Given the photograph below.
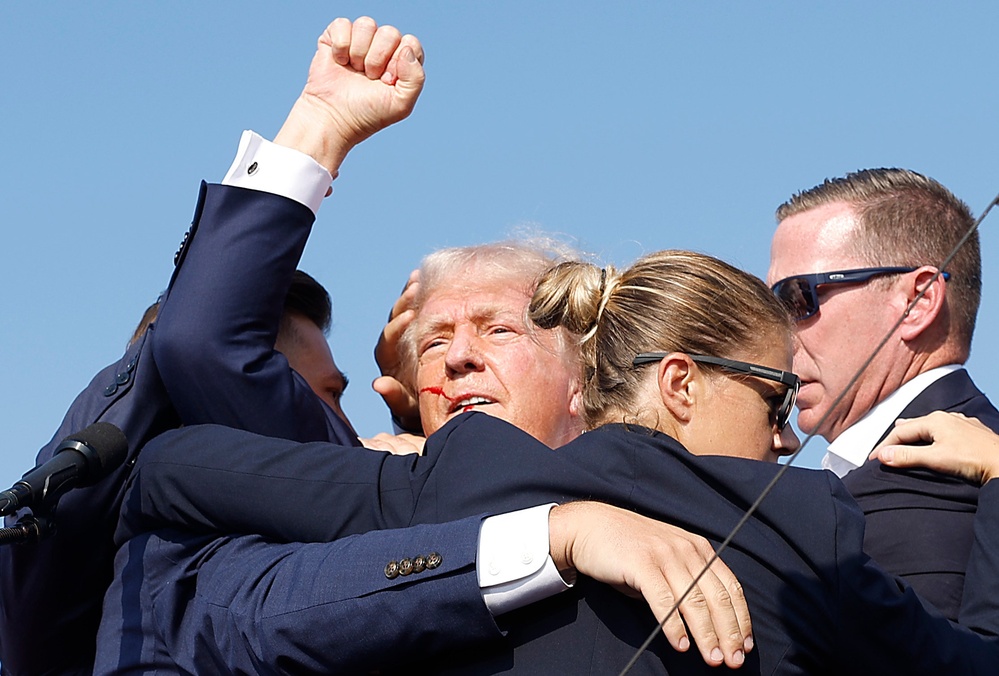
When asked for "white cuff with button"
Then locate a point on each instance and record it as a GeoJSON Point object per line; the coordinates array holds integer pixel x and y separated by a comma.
{"type": "Point", "coordinates": [514, 567]}
{"type": "Point", "coordinates": [268, 167]}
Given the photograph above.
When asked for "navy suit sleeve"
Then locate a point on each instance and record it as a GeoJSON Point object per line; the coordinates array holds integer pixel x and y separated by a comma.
{"type": "Point", "coordinates": [981, 588]}
{"type": "Point", "coordinates": [219, 321]}
{"type": "Point", "coordinates": [885, 627]}
{"type": "Point", "coordinates": [245, 605]}
{"type": "Point", "coordinates": [213, 479]}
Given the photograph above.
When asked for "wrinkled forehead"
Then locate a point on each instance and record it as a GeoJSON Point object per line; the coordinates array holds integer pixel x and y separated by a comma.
{"type": "Point", "coordinates": [473, 300]}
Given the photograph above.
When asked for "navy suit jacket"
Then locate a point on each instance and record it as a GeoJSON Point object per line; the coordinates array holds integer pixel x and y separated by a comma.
{"type": "Point", "coordinates": [819, 604]}
{"type": "Point", "coordinates": [919, 523]}
{"type": "Point", "coordinates": [209, 357]}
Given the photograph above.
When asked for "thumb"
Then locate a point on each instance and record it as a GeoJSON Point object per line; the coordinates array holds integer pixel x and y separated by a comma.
{"type": "Point", "coordinates": [411, 75]}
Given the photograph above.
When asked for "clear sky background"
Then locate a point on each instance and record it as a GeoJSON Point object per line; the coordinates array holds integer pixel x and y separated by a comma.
{"type": "Point", "coordinates": [629, 127]}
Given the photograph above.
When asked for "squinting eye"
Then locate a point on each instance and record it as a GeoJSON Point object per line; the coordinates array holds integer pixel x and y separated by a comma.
{"type": "Point", "coordinates": [429, 345]}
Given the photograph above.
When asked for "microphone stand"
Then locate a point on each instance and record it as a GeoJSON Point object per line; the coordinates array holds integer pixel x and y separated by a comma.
{"type": "Point", "coordinates": [29, 529]}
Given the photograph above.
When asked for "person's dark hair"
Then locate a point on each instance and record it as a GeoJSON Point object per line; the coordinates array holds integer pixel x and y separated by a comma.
{"type": "Point", "coordinates": [308, 298]}
{"type": "Point", "coordinates": [907, 219]}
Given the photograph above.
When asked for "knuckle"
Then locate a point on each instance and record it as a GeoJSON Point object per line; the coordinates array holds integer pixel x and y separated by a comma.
{"type": "Point", "coordinates": [722, 596]}
{"type": "Point", "coordinates": [695, 599]}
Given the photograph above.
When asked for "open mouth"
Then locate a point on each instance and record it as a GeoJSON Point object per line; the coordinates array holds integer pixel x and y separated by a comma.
{"type": "Point", "coordinates": [468, 403]}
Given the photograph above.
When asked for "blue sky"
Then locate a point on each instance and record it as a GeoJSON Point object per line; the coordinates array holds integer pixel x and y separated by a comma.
{"type": "Point", "coordinates": [630, 128]}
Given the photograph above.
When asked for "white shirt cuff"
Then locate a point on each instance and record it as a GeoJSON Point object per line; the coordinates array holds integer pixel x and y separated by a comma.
{"type": "Point", "coordinates": [268, 167]}
{"type": "Point", "coordinates": [514, 566]}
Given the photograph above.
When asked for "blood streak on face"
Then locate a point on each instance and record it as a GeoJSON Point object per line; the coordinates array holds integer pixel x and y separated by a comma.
{"type": "Point", "coordinates": [439, 392]}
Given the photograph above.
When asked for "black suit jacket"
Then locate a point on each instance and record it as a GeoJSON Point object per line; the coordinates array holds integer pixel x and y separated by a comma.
{"type": "Point", "coordinates": [819, 604]}
{"type": "Point", "coordinates": [919, 523]}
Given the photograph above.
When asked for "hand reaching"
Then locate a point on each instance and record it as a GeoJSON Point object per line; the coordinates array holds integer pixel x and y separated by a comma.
{"type": "Point", "coordinates": [394, 385]}
{"type": "Point", "coordinates": [950, 443]}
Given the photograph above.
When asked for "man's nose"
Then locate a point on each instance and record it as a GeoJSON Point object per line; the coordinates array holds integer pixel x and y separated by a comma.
{"type": "Point", "coordinates": [464, 354]}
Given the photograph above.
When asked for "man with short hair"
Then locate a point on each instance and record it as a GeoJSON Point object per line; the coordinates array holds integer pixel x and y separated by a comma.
{"type": "Point", "coordinates": [849, 257]}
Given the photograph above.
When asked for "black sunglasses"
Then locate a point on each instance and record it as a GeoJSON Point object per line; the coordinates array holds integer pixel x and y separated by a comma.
{"type": "Point", "coordinates": [800, 294]}
{"type": "Point", "coordinates": [782, 413]}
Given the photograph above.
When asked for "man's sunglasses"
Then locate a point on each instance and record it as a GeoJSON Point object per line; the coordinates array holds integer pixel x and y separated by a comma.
{"type": "Point", "coordinates": [781, 414]}
{"type": "Point", "coordinates": [800, 294]}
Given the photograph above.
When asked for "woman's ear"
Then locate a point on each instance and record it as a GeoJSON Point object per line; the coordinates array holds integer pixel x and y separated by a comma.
{"type": "Point", "coordinates": [679, 385]}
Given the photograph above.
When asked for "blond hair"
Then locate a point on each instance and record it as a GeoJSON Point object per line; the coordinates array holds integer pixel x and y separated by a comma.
{"type": "Point", "coordinates": [670, 301]}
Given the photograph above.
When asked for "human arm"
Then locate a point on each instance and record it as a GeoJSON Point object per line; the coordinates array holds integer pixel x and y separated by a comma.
{"type": "Point", "coordinates": [945, 442]}
{"type": "Point", "coordinates": [219, 321]}
{"type": "Point", "coordinates": [246, 605]}
{"type": "Point", "coordinates": [884, 627]}
{"type": "Point", "coordinates": [212, 479]}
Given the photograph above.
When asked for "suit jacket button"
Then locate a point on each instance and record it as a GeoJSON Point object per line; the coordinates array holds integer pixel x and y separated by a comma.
{"type": "Point", "coordinates": [433, 560]}
{"type": "Point", "coordinates": [405, 566]}
{"type": "Point", "coordinates": [122, 378]}
{"type": "Point", "coordinates": [419, 564]}
{"type": "Point", "coordinates": [392, 570]}
{"type": "Point", "coordinates": [110, 389]}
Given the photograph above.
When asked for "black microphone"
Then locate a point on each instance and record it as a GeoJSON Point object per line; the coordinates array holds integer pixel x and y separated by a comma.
{"type": "Point", "coordinates": [82, 459]}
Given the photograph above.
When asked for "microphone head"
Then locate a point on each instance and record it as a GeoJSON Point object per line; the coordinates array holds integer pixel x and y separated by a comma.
{"type": "Point", "coordinates": [103, 445]}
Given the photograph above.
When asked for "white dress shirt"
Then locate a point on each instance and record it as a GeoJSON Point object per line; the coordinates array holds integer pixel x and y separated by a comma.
{"type": "Point", "coordinates": [850, 449]}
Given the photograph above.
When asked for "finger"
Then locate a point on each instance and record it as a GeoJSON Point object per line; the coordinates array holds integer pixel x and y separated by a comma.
{"type": "Point", "coordinates": [908, 432]}
{"type": "Point", "coordinates": [928, 457]}
{"type": "Point", "coordinates": [407, 298]}
{"type": "Point", "coordinates": [337, 39]}
{"type": "Point", "coordinates": [725, 619]}
{"type": "Point", "coordinates": [413, 43]}
{"type": "Point", "coordinates": [395, 329]}
{"type": "Point", "coordinates": [403, 405]}
{"type": "Point", "coordinates": [739, 604]}
{"type": "Point", "coordinates": [407, 69]}
{"type": "Point", "coordinates": [658, 594]}
{"type": "Point", "coordinates": [387, 349]}
{"type": "Point", "coordinates": [697, 614]}
{"type": "Point", "coordinates": [361, 34]}
{"type": "Point", "coordinates": [383, 45]}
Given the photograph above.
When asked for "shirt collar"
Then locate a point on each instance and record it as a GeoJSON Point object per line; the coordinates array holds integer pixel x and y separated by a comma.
{"type": "Point", "coordinates": [851, 448]}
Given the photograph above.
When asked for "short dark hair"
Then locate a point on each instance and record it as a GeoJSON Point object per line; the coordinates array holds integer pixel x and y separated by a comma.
{"type": "Point", "coordinates": [310, 299]}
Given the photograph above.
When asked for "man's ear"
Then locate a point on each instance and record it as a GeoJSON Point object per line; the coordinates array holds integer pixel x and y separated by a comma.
{"type": "Point", "coordinates": [928, 308]}
{"type": "Point", "coordinates": [678, 385]}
